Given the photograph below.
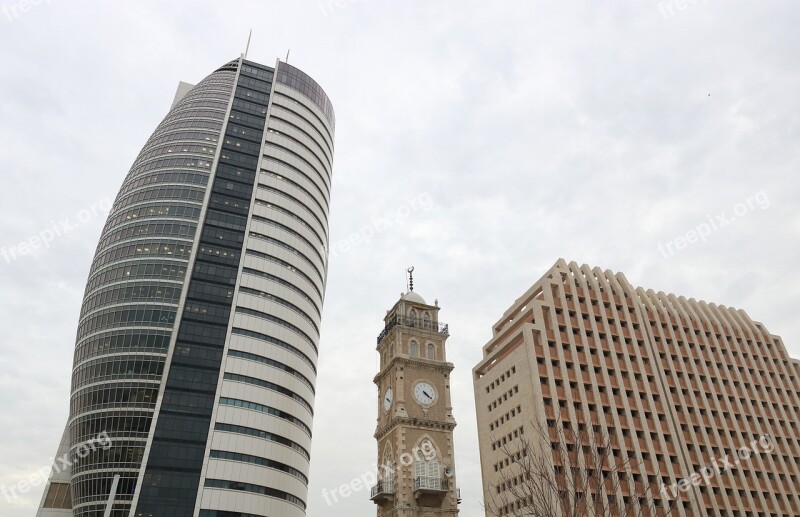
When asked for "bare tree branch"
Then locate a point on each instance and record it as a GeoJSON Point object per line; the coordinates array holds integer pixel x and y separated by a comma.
{"type": "Point", "coordinates": [572, 470]}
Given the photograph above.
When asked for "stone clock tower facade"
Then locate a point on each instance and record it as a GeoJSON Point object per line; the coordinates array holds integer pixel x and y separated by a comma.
{"type": "Point", "coordinates": [415, 414]}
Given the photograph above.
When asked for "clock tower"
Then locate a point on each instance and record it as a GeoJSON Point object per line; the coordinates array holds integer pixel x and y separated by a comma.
{"type": "Point", "coordinates": [416, 463]}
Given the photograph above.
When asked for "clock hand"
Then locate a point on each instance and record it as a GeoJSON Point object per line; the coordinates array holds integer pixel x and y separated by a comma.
{"type": "Point", "coordinates": [426, 394]}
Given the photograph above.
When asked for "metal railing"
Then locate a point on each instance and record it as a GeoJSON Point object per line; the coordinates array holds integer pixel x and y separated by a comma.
{"type": "Point", "coordinates": [430, 483]}
{"type": "Point", "coordinates": [418, 323]}
{"type": "Point", "coordinates": [383, 487]}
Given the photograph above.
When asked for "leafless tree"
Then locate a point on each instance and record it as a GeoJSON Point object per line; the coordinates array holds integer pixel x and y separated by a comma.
{"type": "Point", "coordinates": [572, 470]}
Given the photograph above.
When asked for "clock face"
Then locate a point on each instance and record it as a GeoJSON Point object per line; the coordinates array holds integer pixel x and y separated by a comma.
{"type": "Point", "coordinates": [424, 393]}
{"type": "Point", "coordinates": [387, 399]}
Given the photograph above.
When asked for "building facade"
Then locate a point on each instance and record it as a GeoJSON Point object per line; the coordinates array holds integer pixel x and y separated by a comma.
{"type": "Point", "coordinates": [704, 401]}
{"type": "Point", "coordinates": [196, 351]}
{"type": "Point", "coordinates": [415, 414]}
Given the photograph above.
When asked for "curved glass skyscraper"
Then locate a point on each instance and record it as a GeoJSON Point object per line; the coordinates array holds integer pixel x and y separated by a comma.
{"type": "Point", "coordinates": [195, 357]}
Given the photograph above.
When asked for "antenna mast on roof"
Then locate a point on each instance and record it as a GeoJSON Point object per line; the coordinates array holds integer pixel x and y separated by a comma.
{"type": "Point", "coordinates": [248, 43]}
{"type": "Point", "coordinates": [287, 56]}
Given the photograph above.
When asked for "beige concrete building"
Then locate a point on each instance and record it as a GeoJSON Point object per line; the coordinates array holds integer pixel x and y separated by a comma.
{"type": "Point", "coordinates": [415, 414]}
{"type": "Point", "coordinates": [678, 385]}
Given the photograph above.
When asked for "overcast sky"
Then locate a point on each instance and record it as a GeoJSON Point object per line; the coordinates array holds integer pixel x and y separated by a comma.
{"type": "Point", "coordinates": [477, 141]}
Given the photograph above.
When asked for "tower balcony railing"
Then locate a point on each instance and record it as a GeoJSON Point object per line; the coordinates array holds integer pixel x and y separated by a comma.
{"type": "Point", "coordinates": [417, 323]}
{"type": "Point", "coordinates": [383, 487]}
{"type": "Point", "coordinates": [382, 492]}
{"type": "Point", "coordinates": [431, 483]}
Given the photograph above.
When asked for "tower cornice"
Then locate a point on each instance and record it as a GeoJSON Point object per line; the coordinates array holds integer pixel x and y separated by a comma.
{"type": "Point", "coordinates": [425, 364]}
{"type": "Point", "coordinates": [417, 423]}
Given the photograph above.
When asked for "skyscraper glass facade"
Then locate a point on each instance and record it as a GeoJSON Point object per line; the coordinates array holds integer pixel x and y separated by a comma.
{"type": "Point", "coordinates": [198, 337]}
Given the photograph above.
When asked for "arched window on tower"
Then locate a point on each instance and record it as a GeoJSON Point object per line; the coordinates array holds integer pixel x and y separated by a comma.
{"type": "Point", "coordinates": [426, 320]}
{"type": "Point", "coordinates": [413, 351]}
{"type": "Point", "coordinates": [431, 351]}
{"type": "Point", "coordinates": [427, 471]}
{"type": "Point", "coordinates": [387, 470]}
